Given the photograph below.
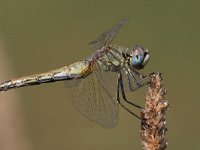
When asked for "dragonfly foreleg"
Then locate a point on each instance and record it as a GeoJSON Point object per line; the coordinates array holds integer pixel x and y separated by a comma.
{"type": "Point", "coordinates": [138, 73]}
{"type": "Point", "coordinates": [132, 79]}
{"type": "Point", "coordinates": [139, 79]}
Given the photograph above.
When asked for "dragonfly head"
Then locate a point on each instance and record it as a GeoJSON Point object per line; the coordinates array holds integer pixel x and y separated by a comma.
{"type": "Point", "coordinates": [139, 56]}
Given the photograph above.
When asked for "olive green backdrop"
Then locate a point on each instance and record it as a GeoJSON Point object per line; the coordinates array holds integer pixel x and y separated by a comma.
{"type": "Point", "coordinates": [40, 35]}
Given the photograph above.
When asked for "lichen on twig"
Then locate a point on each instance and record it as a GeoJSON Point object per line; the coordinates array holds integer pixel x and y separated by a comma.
{"type": "Point", "coordinates": [153, 117]}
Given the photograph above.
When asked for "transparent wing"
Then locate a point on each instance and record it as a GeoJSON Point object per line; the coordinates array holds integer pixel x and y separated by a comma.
{"type": "Point", "coordinates": [108, 36]}
{"type": "Point", "coordinates": [72, 83]}
{"type": "Point", "coordinates": [107, 78]}
{"type": "Point", "coordinates": [95, 101]}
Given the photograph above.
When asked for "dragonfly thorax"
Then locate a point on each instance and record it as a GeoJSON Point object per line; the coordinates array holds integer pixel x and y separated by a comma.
{"type": "Point", "coordinates": [113, 60]}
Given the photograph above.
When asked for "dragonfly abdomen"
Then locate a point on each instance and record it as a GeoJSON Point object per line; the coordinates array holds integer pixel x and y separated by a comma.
{"type": "Point", "coordinates": [77, 70]}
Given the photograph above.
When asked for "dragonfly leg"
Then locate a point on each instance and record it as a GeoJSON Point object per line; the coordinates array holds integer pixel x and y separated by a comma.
{"type": "Point", "coordinates": [138, 73]}
{"type": "Point", "coordinates": [118, 100]}
{"type": "Point", "coordinates": [129, 111]}
{"type": "Point", "coordinates": [134, 74]}
{"type": "Point", "coordinates": [139, 78]}
{"type": "Point", "coordinates": [123, 93]}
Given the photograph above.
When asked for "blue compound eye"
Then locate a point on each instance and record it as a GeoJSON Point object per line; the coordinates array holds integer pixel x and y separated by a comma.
{"type": "Point", "coordinates": [139, 57]}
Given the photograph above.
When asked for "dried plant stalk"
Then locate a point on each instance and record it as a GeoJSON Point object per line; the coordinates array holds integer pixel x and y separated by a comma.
{"type": "Point", "coordinates": [153, 125]}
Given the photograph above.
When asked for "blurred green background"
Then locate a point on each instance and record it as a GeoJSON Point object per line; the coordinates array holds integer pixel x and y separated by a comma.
{"type": "Point", "coordinates": [40, 35]}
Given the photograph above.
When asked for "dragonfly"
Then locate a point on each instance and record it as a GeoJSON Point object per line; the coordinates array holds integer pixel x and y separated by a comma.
{"type": "Point", "coordinates": [98, 83]}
